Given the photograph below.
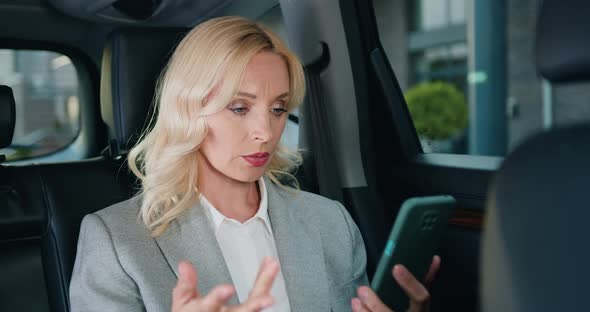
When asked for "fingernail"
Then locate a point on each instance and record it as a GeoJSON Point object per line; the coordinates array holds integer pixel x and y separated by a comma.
{"type": "Point", "coordinates": [398, 270]}
{"type": "Point", "coordinates": [267, 302]}
{"type": "Point", "coordinates": [226, 292]}
{"type": "Point", "coordinates": [355, 303]}
{"type": "Point", "coordinates": [363, 292]}
{"type": "Point", "coordinates": [181, 269]}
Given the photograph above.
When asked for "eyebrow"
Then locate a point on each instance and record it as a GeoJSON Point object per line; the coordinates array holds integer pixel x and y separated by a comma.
{"type": "Point", "coordinates": [253, 96]}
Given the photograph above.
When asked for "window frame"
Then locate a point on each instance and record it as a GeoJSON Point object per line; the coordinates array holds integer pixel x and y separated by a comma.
{"type": "Point", "coordinates": [91, 131]}
{"type": "Point", "coordinates": [406, 131]}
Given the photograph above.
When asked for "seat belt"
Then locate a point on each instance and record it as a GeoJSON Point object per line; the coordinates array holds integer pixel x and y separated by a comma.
{"type": "Point", "coordinates": [321, 138]}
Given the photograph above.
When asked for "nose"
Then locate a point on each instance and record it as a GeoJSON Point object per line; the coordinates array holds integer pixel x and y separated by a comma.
{"type": "Point", "coordinates": [262, 128]}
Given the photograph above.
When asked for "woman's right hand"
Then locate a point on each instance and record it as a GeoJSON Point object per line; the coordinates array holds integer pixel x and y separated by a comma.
{"type": "Point", "coordinates": [187, 298]}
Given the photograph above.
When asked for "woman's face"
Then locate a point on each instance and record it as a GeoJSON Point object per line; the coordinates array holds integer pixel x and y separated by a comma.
{"type": "Point", "coordinates": [243, 136]}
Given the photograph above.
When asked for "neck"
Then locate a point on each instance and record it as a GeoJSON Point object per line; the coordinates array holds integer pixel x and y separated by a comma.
{"type": "Point", "coordinates": [234, 199]}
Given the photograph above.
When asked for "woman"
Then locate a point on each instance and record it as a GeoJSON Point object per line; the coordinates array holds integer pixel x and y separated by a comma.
{"type": "Point", "coordinates": [215, 193]}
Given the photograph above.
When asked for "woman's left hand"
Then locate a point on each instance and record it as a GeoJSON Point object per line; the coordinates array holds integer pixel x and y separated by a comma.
{"type": "Point", "coordinates": [368, 301]}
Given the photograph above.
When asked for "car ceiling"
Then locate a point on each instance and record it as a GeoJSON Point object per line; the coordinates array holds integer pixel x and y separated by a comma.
{"type": "Point", "coordinates": [47, 24]}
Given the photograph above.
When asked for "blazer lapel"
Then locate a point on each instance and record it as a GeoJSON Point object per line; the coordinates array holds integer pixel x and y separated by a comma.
{"type": "Point", "coordinates": [191, 238]}
{"type": "Point", "coordinates": [300, 252]}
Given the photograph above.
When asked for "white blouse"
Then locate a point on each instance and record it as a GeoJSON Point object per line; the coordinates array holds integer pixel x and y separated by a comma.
{"type": "Point", "coordinates": [244, 245]}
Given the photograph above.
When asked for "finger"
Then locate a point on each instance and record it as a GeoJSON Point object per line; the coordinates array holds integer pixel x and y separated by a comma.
{"type": "Point", "coordinates": [216, 298]}
{"type": "Point", "coordinates": [186, 286]}
{"type": "Point", "coordinates": [254, 304]}
{"type": "Point", "coordinates": [358, 306]}
{"type": "Point", "coordinates": [188, 274]}
{"type": "Point", "coordinates": [434, 267]}
{"type": "Point", "coordinates": [266, 276]}
{"type": "Point", "coordinates": [413, 288]}
{"type": "Point", "coordinates": [370, 300]}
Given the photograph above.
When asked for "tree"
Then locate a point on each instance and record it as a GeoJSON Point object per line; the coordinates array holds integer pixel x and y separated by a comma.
{"type": "Point", "coordinates": [439, 109]}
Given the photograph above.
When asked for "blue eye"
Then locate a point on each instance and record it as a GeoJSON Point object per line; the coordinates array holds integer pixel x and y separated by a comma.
{"type": "Point", "coordinates": [238, 108]}
{"type": "Point", "coordinates": [278, 111]}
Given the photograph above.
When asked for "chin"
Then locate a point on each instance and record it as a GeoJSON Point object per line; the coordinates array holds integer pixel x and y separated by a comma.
{"type": "Point", "coordinates": [252, 176]}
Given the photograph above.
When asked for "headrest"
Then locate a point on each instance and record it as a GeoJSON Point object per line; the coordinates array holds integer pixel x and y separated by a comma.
{"type": "Point", "coordinates": [7, 116]}
{"type": "Point", "coordinates": [131, 64]}
{"type": "Point", "coordinates": [563, 52]}
{"type": "Point", "coordinates": [535, 245]}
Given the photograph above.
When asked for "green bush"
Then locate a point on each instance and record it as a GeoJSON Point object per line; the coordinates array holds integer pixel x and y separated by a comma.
{"type": "Point", "coordinates": [439, 109]}
{"type": "Point", "coordinates": [19, 153]}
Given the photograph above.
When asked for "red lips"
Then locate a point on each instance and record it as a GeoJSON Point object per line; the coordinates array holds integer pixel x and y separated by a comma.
{"type": "Point", "coordinates": [257, 159]}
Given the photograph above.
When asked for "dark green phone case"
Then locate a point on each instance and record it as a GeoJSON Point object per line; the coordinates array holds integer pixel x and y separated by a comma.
{"type": "Point", "coordinates": [414, 239]}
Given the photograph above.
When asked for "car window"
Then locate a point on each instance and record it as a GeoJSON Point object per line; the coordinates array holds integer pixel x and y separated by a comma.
{"type": "Point", "coordinates": [468, 75]}
{"type": "Point", "coordinates": [45, 88]}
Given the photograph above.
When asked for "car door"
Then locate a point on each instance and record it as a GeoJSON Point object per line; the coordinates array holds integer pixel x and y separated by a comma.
{"type": "Point", "coordinates": [372, 65]}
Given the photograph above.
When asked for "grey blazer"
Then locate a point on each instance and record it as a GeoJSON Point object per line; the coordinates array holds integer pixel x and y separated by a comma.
{"type": "Point", "coordinates": [120, 267]}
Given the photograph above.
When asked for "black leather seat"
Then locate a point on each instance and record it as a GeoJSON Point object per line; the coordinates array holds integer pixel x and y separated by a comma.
{"type": "Point", "coordinates": [40, 225]}
{"type": "Point", "coordinates": [22, 283]}
{"type": "Point", "coordinates": [132, 62]}
{"type": "Point", "coordinates": [535, 247]}
{"type": "Point", "coordinates": [42, 207]}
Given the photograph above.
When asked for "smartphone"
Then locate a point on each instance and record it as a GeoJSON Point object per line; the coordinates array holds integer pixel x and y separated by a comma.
{"type": "Point", "coordinates": [413, 241]}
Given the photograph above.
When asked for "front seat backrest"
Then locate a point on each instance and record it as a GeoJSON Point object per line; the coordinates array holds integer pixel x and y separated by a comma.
{"type": "Point", "coordinates": [535, 252]}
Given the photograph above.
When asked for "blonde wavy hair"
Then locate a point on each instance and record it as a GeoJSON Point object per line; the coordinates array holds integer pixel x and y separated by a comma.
{"type": "Point", "coordinates": [201, 78]}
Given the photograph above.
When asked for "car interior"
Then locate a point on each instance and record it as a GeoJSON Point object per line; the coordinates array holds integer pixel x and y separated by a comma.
{"type": "Point", "coordinates": [355, 129]}
{"type": "Point", "coordinates": [531, 254]}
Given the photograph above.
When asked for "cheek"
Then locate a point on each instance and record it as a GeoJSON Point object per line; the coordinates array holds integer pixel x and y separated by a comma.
{"type": "Point", "coordinates": [222, 141]}
{"type": "Point", "coordinates": [215, 145]}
